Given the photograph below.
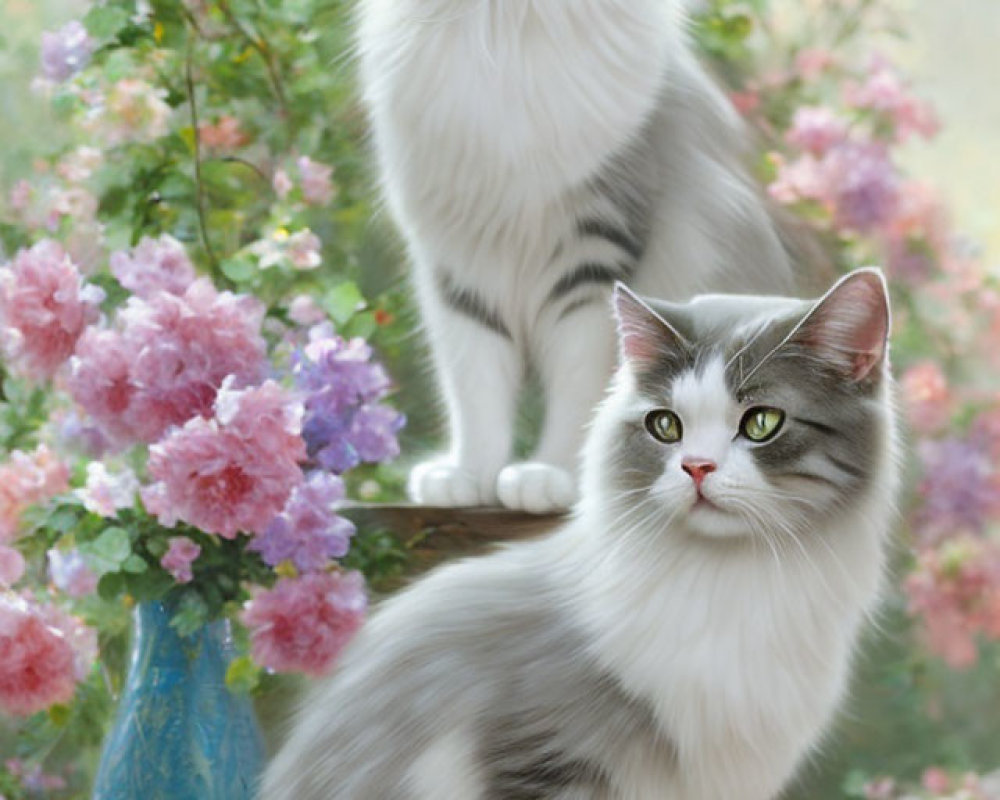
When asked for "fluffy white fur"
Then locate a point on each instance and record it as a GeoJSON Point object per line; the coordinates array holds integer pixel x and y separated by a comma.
{"type": "Point", "coordinates": [745, 653]}
{"type": "Point", "coordinates": [493, 122]}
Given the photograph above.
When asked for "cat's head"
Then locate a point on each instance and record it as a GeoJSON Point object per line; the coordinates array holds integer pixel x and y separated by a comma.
{"type": "Point", "coordinates": [733, 415]}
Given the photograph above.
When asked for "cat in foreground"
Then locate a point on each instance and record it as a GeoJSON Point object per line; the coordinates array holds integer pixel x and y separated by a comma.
{"type": "Point", "coordinates": [687, 634]}
{"type": "Point", "coordinates": [533, 152]}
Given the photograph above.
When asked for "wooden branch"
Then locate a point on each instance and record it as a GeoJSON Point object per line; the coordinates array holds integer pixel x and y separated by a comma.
{"type": "Point", "coordinates": [433, 534]}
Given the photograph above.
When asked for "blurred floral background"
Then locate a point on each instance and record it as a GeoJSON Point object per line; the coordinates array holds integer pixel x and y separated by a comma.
{"type": "Point", "coordinates": [165, 161]}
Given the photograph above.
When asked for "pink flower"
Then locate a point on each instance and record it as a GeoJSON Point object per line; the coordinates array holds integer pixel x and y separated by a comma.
{"type": "Point", "coordinates": [106, 493]}
{"type": "Point", "coordinates": [154, 265]}
{"type": "Point", "coordinates": [79, 164]}
{"type": "Point", "coordinates": [928, 400]}
{"type": "Point", "coordinates": [299, 250]}
{"type": "Point", "coordinates": [25, 479]}
{"type": "Point", "coordinates": [746, 102]}
{"type": "Point", "coordinates": [165, 363]}
{"type": "Point", "coordinates": [805, 178]}
{"type": "Point", "coordinates": [179, 557]}
{"type": "Point", "coordinates": [302, 624]}
{"type": "Point", "coordinates": [11, 566]}
{"type": "Point", "coordinates": [812, 62]}
{"type": "Point", "coordinates": [317, 186]}
{"type": "Point", "coordinates": [303, 250]}
{"type": "Point", "coordinates": [880, 789]}
{"type": "Point", "coordinates": [232, 473]}
{"type": "Point", "coordinates": [936, 780]}
{"type": "Point", "coordinates": [44, 308]}
{"type": "Point", "coordinates": [70, 573]}
{"type": "Point", "coordinates": [281, 183]}
{"type": "Point", "coordinates": [82, 639]}
{"type": "Point", "coordinates": [955, 592]}
{"type": "Point", "coordinates": [132, 111]}
{"type": "Point", "coordinates": [986, 429]}
{"type": "Point", "coordinates": [225, 134]}
{"type": "Point", "coordinates": [884, 91]}
{"type": "Point", "coordinates": [816, 129]}
{"type": "Point", "coordinates": [304, 310]}
{"type": "Point", "coordinates": [37, 662]}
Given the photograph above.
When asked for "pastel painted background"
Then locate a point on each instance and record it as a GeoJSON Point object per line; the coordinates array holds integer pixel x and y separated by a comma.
{"type": "Point", "coordinates": [187, 179]}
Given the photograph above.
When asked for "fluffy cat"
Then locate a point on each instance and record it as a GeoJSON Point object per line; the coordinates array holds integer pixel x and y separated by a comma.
{"type": "Point", "coordinates": [533, 152]}
{"type": "Point", "coordinates": [687, 634]}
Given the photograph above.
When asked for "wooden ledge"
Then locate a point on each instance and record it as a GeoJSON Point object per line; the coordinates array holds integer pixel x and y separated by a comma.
{"type": "Point", "coordinates": [432, 534]}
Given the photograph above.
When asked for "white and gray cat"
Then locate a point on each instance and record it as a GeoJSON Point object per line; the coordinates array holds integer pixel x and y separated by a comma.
{"type": "Point", "coordinates": [687, 634]}
{"type": "Point", "coordinates": [534, 152]}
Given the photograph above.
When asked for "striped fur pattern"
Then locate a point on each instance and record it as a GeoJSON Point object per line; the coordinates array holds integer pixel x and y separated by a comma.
{"type": "Point", "coordinates": [533, 153]}
{"type": "Point", "coordinates": [673, 640]}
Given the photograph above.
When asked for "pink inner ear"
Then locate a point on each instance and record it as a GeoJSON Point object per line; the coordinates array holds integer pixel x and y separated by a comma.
{"type": "Point", "coordinates": [851, 324]}
{"type": "Point", "coordinates": [642, 334]}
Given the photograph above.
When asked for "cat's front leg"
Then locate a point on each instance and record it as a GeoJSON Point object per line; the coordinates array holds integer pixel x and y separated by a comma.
{"type": "Point", "coordinates": [575, 354]}
{"type": "Point", "coordinates": [479, 370]}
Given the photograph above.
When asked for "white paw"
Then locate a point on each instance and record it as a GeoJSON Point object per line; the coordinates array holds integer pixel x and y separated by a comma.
{"type": "Point", "coordinates": [536, 487]}
{"type": "Point", "coordinates": [441, 482]}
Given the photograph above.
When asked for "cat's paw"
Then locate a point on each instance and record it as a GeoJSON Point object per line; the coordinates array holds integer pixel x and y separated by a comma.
{"type": "Point", "coordinates": [441, 482]}
{"type": "Point", "coordinates": [536, 487]}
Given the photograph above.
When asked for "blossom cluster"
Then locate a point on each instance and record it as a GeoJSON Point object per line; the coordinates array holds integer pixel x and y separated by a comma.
{"type": "Point", "coordinates": [345, 423]}
{"type": "Point", "coordinates": [181, 369]}
{"type": "Point", "coordinates": [834, 162]}
{"type": "Point", "coordinates": [936, 784]}
{"type": "Point", "coordinates": [45, 653]}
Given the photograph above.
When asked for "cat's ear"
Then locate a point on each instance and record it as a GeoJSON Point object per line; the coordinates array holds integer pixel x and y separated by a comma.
{"type": "Point", "coordinates": [849, 326]}
{"type": "Point", "coordinates": [644, 337]}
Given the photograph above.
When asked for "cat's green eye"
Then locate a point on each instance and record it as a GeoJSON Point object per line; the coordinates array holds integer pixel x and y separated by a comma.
{"type": "Point", "coordinates": [664, 425]}
{"type": "Point", "coordinates": [761, 423]}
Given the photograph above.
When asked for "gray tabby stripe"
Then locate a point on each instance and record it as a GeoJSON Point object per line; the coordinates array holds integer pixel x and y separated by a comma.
{"type": "Point", "coordinates": [470, 304]}
{"type": "Point", "coordinates": [816, 426]}
{"type": "Point", "coordinates": [587, 273]}
{"type": "Point", "coordinates": [843, 466]}
{"type": "Point", "coordinates": [617, 236]}
{"type": "Point", "coordinates": [579, 303]}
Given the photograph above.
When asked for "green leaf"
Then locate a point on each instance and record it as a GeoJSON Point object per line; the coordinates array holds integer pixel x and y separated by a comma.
{"type": "Point", "coordinates": [362, 325]}
{"type": "Point", "coordinates": [110, 586]}
{"type": "Point", "coordinates": [135, 564]}
{"type": "Point", "coordinates": [191, 614]}
{"type": "Point", "coordinates": [243, 675]}
{"type": "Point", "coordinates": [238, 268]}
{"type": "Point", "coordinates": [60, 715]}
{"type": "Point", "coordinates": [103, 22]}
{"type": "Point", "coordinates": [113, 545]}
{"type": "Point", "coordinates": [343, 301]}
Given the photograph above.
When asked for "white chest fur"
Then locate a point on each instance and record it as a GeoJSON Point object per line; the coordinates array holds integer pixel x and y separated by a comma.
{"type": "Point", "coordinates": [744, 658]}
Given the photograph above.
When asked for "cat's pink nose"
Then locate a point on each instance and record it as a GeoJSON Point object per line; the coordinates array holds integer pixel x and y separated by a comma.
{"type": "Point", "coordinates": [697, 468]}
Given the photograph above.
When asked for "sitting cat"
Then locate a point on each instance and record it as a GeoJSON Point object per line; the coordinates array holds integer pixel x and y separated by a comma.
{"type": "Point", "coordinates": [533, 152]}
{"type": "Point", "coordinates": [688, 633]}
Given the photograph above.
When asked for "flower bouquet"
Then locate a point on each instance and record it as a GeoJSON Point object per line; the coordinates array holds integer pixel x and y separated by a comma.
{"type": "Point", "coordinates": [205, 476]}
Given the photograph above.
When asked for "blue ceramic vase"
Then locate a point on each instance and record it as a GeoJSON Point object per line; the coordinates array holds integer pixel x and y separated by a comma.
{"type": "Point", "coordinates": [179, 733]}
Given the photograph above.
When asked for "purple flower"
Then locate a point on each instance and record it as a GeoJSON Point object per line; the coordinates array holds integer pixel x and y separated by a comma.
{"type": "Point", "coordinates": [344, 424]}
{"type": "Point", "coordinates": [864, 185]}
{"type": "Point", "coordinates": [66, 51]}
{"type": "Point", "coordinates": [959, 489]}
{"type": "Point", "coordinates": [308, 532]}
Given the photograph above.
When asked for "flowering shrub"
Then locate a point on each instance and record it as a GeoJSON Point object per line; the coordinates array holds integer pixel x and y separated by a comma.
{"type": "Point", "coordinates": [188, 390]}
